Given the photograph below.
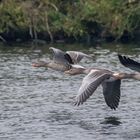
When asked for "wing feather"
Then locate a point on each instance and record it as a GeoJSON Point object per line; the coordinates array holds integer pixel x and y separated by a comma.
{"type": "Point", "coordinates": [77, 56]}
{"type": "Point", "coordinates": [60, 56]}
{"type": "Point", "coordinates": [89, 85]}
{"type": "Point", "coordinates": [111, 92]}
{"type": "Point", "coordinates": [127, 62]}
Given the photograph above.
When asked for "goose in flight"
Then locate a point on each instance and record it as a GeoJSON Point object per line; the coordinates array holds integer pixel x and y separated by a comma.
{"type": "Point", "coordinates": [128, 62]}
{"type": "Point", "coordinates": [63, 61]}
{"type": "Point", "coordinates": [110, 81]}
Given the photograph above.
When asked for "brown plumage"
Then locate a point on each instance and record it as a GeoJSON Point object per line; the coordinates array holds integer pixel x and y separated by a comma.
{"type": "Point", "coordinates": [62, 61]}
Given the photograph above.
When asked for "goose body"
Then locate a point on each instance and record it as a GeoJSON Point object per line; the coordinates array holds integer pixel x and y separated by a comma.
{"type": "Point", "coordinates": [53, 65]}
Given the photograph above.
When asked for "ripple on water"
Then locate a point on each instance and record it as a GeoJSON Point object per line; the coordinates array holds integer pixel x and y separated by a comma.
{"type": "Point", "coordinates": [37, 104]}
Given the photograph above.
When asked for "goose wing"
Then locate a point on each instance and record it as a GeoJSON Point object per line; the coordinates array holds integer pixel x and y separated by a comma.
{"type": "Point", "coordinates": [77, 56]}
{"type": "Point", "coordinates": [127, 62]}
{"type": "Point", "coordinates": [89, 85]}
{"type": "Point", "coordinates": [111, 92]}
{"type": "Point", "coordinates": [60, 56]}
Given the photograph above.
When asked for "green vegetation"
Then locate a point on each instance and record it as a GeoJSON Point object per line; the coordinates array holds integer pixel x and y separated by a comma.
{"type": "Point", "coordinates": [78, 19]}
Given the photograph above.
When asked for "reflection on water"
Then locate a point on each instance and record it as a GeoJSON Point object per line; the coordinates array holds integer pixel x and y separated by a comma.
{"type": "Point", "coordinates": [36, 103]}
{"type": "Point", "coordinates": [111, 120]}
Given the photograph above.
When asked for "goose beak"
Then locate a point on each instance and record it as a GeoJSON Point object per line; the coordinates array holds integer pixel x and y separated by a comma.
{"type": "Point", "coordinates": [34, 65]}
{"type": "Point", "coordinates": [118, 75]}
{"type": "Point", "coordinates": [66, 72]}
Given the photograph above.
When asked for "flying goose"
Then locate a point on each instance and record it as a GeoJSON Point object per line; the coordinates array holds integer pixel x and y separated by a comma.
{"type": "Point", "coordinates": [109, 80]}
{"type": "Point", "coordinates": [62, 61]}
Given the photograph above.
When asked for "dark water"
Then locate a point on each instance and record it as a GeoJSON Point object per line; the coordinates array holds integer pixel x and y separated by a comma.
{"type": "Point", "coordinates": [36, 104]}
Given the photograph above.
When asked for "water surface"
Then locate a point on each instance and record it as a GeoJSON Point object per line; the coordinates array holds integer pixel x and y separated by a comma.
{"type": "Point", "coordinates": [36, 103]}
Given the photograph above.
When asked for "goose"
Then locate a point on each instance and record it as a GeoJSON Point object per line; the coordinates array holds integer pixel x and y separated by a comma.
{"type": "Point", "coordinates": [62, 61]}
{"type": "Point", "coordinates": [110, 81]}
{"type": "Point", "coordinates": [128, 62]}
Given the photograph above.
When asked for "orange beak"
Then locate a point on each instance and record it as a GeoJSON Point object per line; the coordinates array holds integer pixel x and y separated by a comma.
{"type": "Point", "coordinates": [34, 65]}
{"type": "Point", "coordinates": [66, 72]}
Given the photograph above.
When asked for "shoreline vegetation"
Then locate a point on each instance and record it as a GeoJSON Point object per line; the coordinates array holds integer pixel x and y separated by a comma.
{"type": "Point", "coordinates": [88, 21]}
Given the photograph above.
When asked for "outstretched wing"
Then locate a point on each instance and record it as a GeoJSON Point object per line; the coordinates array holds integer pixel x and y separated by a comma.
{"type": "Point", "coordinates": [77, 56]}
{"type": "Point", "coordinates": [89, 85]}
{"type": "Point", "coordinates": [61, 57]}
{"type": "Point", "coordinates": [127, 62]}
{"type": "Point", "coordinates": [111, 92]}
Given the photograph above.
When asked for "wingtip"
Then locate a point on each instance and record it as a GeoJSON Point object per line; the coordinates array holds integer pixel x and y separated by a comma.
{"type": "Point", "coordinates": [113, 107]}
{"type": "Point", "coordinates": [120, 57]}
{"type": "Point", "coordinates": [77, 103]}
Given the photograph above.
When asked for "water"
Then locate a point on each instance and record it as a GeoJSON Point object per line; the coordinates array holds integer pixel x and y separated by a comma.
{"type": "Point", "coordinates": [36, 104]}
